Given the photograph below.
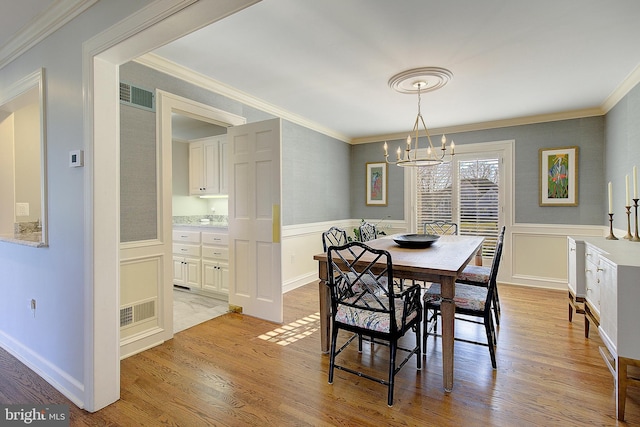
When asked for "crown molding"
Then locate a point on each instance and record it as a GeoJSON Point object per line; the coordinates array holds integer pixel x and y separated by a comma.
{"type": "Point", "coordinates": [56, 16]}
{"type": "Point", "coordinates": [173, 69]}
{"type": "Point", "coordinates": [622, 90]}
{"type": "Point", "coordinates": [495, 124]}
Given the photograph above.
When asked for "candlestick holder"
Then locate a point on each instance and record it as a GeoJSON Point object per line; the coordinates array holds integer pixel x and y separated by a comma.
{"type": "Point", "coordinates": [636, 238]}
{"type": "Point", "coordinates": [628, 236]}
{"type": "Point", "coordinates": [611, 236]}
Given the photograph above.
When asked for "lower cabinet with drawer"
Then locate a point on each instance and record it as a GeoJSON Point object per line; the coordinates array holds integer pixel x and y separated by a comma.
{"type": "Point", "coordinates": [187, 265]}
{"type": "Point", "coordinates": [215, 263]}
{"type": "Point", "coordinates": [201, 261]}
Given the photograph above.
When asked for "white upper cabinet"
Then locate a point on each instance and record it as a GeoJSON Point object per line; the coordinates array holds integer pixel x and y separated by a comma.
{"type": "Point", "coordinates": [207, 171]}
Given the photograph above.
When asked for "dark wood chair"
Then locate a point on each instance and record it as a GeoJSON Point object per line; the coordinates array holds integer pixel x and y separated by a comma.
{"type": "Point", "coordinates": [440, 228]}
{"type": "Point", "coordinates": [368, 232]}
{"type": "Point", "coordinates": [478, 275]}
{"type": "Point", "coordinates": [334, 237]}
{"type": "Point", "coordinates": [474, 302]}
{"type": "Point", "coordinates": [366, 302]}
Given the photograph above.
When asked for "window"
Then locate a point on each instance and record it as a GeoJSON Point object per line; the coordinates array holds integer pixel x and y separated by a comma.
{"type": "Point", "coordinates": [466, 191]}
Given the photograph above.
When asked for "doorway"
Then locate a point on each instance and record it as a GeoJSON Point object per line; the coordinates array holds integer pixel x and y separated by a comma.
{"type": "Point", "coordinates": [160, 23]}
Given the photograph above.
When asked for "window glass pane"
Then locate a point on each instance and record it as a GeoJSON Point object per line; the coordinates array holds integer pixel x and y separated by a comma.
{"type": "Point", "coordinates": [479, 200]}
{"type": "Point", "coordinates": [434, 184]}
{"type": "Point", "coordinates": [469, 196]}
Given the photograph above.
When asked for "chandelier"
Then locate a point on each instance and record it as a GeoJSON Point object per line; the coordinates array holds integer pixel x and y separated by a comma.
{"type": "Point", "coordinates": [417, 81]}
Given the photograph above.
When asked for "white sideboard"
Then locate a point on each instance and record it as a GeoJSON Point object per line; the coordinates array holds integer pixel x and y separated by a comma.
{"type": "Point", "coordinates": [611, 279]}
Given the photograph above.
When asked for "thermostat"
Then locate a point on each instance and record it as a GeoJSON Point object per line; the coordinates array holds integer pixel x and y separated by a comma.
{"type": "Point", "coordinates": [76, 158]}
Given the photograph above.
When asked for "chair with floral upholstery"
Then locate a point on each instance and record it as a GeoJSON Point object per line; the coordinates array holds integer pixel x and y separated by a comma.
{"type": "Point", "coordinates": [478, 275]}
{"type": "Point", "coordinates": [365, 301]}
{"type": "Point", "coordinates": [472, 301]}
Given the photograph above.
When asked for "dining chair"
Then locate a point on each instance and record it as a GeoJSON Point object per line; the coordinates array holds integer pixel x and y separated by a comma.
{"type": "Point", "coordinates": [470, 300]}
{"type": "Point", "coordinates": [478, 275]}
{"type": "Point", "coordinates": [380, 309]}
{"type": "Point", "coordinates": [334, 237]}
{"type": "Point", "coordinates": [368, 232]}
{"type": "Point", "coordinates": [440, 227]}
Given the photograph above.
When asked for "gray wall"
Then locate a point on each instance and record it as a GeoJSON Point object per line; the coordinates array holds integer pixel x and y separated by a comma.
{"type": "Point", "coordinates": [621, 153]}
{"type": "Point", "coordinates": [315, 167]}
{"type": "Point", "coordinates": [586, 133]}
{"type": "Point", "coordinates": [315, 176]}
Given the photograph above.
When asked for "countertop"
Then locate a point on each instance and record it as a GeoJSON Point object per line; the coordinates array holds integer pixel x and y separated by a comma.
{"type": "Point", "coordinates": [202, 226]}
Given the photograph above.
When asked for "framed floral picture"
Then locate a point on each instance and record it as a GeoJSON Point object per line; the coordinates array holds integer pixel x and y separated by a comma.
{"type": "Point", "coordinates": [376, 184]}
{"type": "Point", "coordinates": [559, 176]}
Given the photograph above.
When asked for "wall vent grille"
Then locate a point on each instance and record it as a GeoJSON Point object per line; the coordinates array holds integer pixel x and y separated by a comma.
{"type": "Point", "coordinates": [138, 312]}
{"type": "Point", "coordinates": [137, 97]}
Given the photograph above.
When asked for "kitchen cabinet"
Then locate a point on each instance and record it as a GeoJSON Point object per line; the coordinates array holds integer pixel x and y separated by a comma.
{"type": "Point", "coordinates": [215, 263]}
{"type": "Point", "coordinates": [201, 261]}
{"type": "Point", "coordinates": [187, 264]}
{"type": "Point", "coordinates": [207, 166]}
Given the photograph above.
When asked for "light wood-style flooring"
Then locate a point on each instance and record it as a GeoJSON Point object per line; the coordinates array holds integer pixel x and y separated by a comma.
{"type": "Point", "coordinates": [236, 370]}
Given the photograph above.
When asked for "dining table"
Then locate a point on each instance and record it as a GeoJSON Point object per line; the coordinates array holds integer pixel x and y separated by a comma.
{"type": "Point", "coordinates": [440, 262]}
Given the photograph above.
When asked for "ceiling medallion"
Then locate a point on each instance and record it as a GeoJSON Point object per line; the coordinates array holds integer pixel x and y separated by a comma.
{"type": "Point", "coordinates": [418, 81]}
{"type": "Point", "coordinates": [433, 78]}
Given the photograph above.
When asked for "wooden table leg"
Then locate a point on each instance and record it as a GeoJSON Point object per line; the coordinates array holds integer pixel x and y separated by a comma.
{"type": "Point", "coordinates": [325, 308]}
{"type": "Point", "coordinates": [325, 316]}
{"type": "Point", "coordinates": [447, 308]}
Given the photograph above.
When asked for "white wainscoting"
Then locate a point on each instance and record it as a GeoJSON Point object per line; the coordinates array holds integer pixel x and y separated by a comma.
{"type": "Point", "coordinates": [533, 255]}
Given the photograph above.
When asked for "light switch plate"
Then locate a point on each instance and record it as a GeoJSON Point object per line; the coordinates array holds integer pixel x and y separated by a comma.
{"type": "Point", "coordinates": [76, 158]}
{"type": "Point", "coordinates": [22, 209]}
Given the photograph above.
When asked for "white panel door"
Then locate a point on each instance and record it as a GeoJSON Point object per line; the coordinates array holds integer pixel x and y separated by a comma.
{"type": "Point", "coordinates": [255, 273]}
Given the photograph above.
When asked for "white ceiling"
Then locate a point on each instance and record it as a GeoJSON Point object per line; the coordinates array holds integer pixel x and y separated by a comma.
{"type": "Point", "coordinates": [329, 61]}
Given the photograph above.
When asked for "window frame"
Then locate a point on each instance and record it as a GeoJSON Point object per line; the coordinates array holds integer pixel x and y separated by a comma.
{"type": "Point", "coordinates": [504, 149]}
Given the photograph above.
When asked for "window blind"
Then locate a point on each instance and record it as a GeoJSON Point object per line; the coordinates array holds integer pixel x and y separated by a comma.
{"type": "Point", "coordinates": [465, 191]}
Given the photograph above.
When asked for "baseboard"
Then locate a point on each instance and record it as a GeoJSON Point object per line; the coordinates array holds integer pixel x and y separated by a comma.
{"type": "Point", "coordinates": [71, 388]}
{"type": "Point", "coordinates": [299, 281]}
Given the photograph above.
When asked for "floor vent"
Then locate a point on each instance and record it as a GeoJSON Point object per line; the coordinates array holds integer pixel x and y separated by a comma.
{"type": "Point", "coordinates": [138, 312]}
{"type": "Point", "coordinates": [137, 97]}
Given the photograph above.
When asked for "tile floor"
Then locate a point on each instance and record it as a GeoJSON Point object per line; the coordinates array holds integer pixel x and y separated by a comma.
{"type": "Point", "coordinates": [190, 309]}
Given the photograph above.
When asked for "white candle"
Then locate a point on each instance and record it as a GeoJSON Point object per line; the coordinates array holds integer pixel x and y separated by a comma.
{"type": "Point", "coordinates": [610, 198]}
{"type": "Point", "coordinates": [444, 141]}
{"type": "Point", "coordinates": [635, 182]}
{"type": "Point", "coordinates": [386, 147]}
{"type": "Point", "coordinates": [453, 148]}
{"type": "Point", "coordinates": [398, 153]}
{"type": "Point", "coordinates": [626, 192]}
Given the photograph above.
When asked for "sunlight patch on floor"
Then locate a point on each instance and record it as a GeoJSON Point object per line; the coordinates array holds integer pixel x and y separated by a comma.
{"type": "Point", "coordinates": [294, 331]}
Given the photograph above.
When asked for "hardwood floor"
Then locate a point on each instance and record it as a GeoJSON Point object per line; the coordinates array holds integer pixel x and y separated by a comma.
{"type": "Point", "coordinates": [235, 370]}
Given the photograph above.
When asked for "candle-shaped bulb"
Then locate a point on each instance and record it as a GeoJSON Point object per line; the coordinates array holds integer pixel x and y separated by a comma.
{"type": "Point", "coordinates": [386, 148]}
{"type": "Point", "coordinates": [453, 148]}
{"type": "Point", "coordinates": [444, 141]}
{"type": "Point", "coordinates": [409, 141]}
{"type": "Point", "coordinates": [399, 152]}
{"type": "Point", "coordinates": [428, 151]}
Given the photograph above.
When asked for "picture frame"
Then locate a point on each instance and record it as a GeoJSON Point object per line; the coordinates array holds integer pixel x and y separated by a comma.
{"type": "Point", "coordinates": [377, 180]}
{"type": "Point", "coordinates": [558, 176]}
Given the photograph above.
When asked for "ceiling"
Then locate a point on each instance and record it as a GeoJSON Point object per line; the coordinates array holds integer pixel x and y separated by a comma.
{"type": "Point", "coordinates": [329, 61]}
